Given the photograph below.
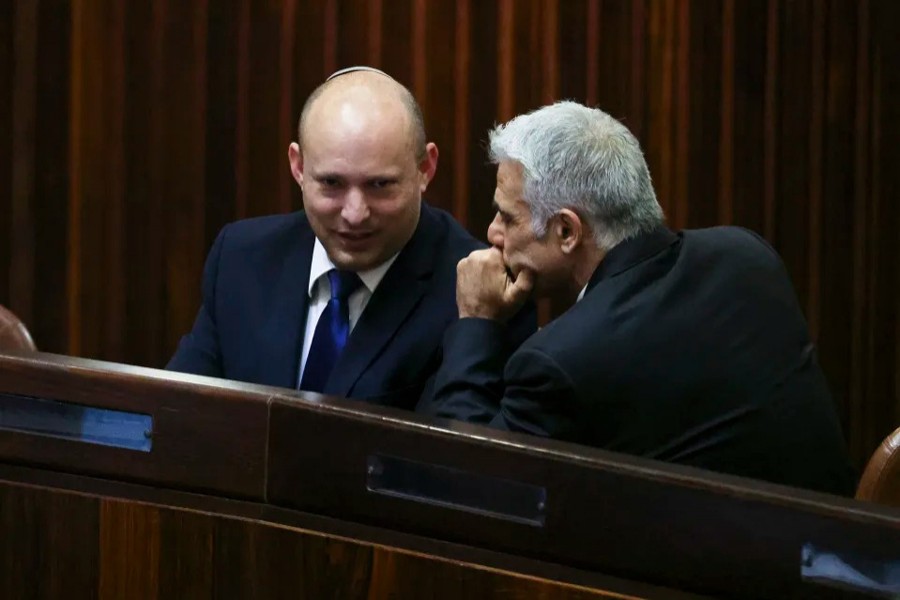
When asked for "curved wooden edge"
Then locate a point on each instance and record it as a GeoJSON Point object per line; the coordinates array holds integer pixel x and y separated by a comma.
{"type": "Point", "coordinates": [880, 482]}
{"type": "Point", "coordinates": [572, 582]}
{"type": "Point", "coordinates": [13, 333]}
{"type": "Point", "coordinates": [103, 384]}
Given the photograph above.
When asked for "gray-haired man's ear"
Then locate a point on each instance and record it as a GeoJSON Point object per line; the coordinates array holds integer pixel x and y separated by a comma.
{"type": "Point", "coordinates": [569, 230]}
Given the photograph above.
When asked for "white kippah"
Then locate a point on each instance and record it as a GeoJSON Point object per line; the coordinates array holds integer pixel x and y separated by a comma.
{"type": "Point", "coordinates": [357, 68]}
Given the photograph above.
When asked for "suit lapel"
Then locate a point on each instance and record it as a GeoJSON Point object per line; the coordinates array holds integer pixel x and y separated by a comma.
{"type": "Point", "coordinates": [288, 319]}
{"type": "Point", "coordinates": [394, 299]}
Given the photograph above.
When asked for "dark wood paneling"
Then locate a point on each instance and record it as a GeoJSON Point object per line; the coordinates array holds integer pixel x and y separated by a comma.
{"type": "Point", "coordinates": [130, 550]}
{"type": "Point", "coordinates": [146, 312]}
{"type": "Point", "coordinates": [97, 188]}
{"type": "Point", "coordinates": [268, 131]}
{"type": "Point", "coordinates": [183, 107]}
{"type": "Point", "coordinates": [330, 567]}
{"type": "Point", "coordinates": [7, 54]}
{"type": "Point", "coordinates": [130, 133]}
{"type": "Point", "coordinates": [484, 100]}
{"type": "Point", "coordinates": [794, 101]}
{"type": "Point", "coordinates": [437, 50]}
{"type": "Point", "coordinates": [191, 531]}
{"type": "Point", "coordinates": [189, 540]}
{"type": "Point", "coordinates": [23, 106]}
{"type": "Point", "coordinates": [886, 179]}
{"type": "Point", "coordinates": [837, 237]}
{"type": "Point", "coordinates": [725, 536]}
{"type": "Point", "coordinates": [214, 505]}
{"type": "Point", "coordinates": [50, 199]}
{"type": "Point", "coordinates": [57, 543]}
{"type": "Point", "coordinates": [214, 440]}
{"type": "Point", "coordinates": [746, 188]}
{"type": "Point", "coordinates": [50, 544]}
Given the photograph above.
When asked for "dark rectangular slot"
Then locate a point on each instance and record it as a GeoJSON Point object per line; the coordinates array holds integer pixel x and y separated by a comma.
{"type": "Point", "coordinates": [457, 489]}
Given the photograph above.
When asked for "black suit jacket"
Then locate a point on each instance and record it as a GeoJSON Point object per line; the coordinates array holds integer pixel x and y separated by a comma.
{"type": "Point", "coordinates": [251, 324]}
{"type": "Point", "coordinates": [689, 348]}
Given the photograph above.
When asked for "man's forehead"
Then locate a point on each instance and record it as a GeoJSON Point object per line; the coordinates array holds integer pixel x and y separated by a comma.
{"type": "Point", "coordinates": [345, 150]}
{"type": "Point", "coordinates": [360, 116]}
{"type": "Point", "coordinates": [509, 176]}
{"type": "Point", "coordinates": [345, 169]}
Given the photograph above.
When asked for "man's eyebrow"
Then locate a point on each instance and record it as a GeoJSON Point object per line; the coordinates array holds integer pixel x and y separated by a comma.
{"type": "Point", "coordinates": [326, 175]}
{"type": "Point", "coordinates": [503, 213]}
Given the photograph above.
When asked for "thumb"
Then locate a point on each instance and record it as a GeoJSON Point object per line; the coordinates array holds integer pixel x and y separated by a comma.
{"type": "Point", "coordinates": [521, 288]}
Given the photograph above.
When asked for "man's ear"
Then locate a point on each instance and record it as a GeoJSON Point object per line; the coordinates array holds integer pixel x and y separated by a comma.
{"type": "Point", "coordinates": [295, 157]}
{"type": "Point", "coordinates": [428, 166]}
{"type": "Point", "coordinates": [569, 229]}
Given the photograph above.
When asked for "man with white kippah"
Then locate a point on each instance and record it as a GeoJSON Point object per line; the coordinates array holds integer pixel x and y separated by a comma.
{"type": "Point", "coordinates": [351, 296]}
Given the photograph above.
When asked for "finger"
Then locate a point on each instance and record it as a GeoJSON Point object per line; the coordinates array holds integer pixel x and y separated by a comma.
{"type": "Point", "coordinates": [521, 287]}
{"type": "Point", "coordinates": [485, 254]}
{"type": "Point", "coordinates": [494, 252]}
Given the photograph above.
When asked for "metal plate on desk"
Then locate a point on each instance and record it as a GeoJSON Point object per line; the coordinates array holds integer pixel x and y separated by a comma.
{"type": "Point", "coordinates": [23, 414]}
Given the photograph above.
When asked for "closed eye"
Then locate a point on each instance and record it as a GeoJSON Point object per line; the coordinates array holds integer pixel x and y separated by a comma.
{"type": "Point", "coordinates": [505, 217]}
{"type": "Point", "coordinates": [380, 184]}
{"type": "Point", "coordinates": [329, 181]}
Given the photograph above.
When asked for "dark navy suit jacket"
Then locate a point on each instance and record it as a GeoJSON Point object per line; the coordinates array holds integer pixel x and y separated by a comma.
{"type": "Point", "coordinates": [689, 348]}
{"type": "Point", "coordinates": [251, 324]}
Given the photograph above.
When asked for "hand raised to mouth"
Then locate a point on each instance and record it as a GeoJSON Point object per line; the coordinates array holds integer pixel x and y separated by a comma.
{"type": "Point", "coordinates": [485, 287]}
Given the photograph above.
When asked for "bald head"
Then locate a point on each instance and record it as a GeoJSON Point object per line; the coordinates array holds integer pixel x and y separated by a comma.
{"type": "Point", "coordinates": [359, 98]}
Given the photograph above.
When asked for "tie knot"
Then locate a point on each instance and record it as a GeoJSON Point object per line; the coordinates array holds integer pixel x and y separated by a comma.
{"type": "Point", "coordinates": [343, 283]}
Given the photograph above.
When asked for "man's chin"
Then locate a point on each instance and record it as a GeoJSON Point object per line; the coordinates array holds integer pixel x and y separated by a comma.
{"type": "Point", "coordinates": [355, 261]}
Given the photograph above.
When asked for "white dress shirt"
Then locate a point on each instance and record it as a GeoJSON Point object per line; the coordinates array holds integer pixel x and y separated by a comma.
{"type": "Point", "coordinates": [583, 292]}
{"type": "Point", "coordinates": [320, 294]}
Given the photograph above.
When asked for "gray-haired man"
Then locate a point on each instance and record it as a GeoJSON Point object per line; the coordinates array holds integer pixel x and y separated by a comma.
{"type": "Point", "coordinates": [686, 347]}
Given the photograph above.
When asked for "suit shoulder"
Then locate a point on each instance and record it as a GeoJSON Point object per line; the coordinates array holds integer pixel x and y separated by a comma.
{"type": "Point", "coordinates": [252, 232]}
{"type": "Point", "coordinates": [734, 242]}
{"type": "Point", "coordinates": [457, 242]}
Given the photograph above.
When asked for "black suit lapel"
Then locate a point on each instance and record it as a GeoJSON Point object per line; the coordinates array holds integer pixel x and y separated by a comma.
{"type": "Point", "coordinates": [394, 299]}
{"type": "Point", "coordinates": [289, 308]}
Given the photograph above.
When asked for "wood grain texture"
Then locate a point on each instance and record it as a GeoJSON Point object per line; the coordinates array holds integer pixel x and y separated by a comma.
{"type": "Point", "coordinates": [598, 518]}
{"type": "Point", "coordinates": [304, 504]}
{"type": "Point", "coordinates": [7, 52]}
{"type": "Point", "coordinates": [130, 133]}
{"type": "Point", "coordinates": [59, 544]}
{"type": "Point", "coordinates": [129, 551]}
{"type": "Point", "coordinates": [50, 544]}
{"type": "Point", "coordinates": [208, 438]}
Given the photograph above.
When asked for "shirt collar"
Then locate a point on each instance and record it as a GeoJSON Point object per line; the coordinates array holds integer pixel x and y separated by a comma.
{"type": "Point", "coordinates": [321, 264]}
{"type": "Point", "coordinates": [583, 292]}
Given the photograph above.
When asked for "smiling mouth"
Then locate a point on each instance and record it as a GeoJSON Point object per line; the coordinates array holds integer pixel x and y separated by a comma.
{"type": "Point", "coordinates": [355, 236]}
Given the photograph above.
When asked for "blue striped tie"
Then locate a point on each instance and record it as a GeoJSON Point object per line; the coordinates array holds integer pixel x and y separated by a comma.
{"type": "Point", "coordinates": [332, 331]}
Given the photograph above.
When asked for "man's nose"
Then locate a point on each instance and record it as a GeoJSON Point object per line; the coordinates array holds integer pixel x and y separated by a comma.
{"type": "Point", "coordinates": [356, 208]}
{"type": "Point", "coordinates": [495, 233]}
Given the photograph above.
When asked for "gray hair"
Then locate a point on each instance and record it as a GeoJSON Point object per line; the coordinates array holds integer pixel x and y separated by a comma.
{"type": "Point", "coordinates": [583, 159]}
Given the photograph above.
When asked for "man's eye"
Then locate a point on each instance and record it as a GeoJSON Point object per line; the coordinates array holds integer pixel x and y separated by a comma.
{"type": "Point", "coordinates": [329, 182]}
{"type": "Point", "coordinates": [380, 184]}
